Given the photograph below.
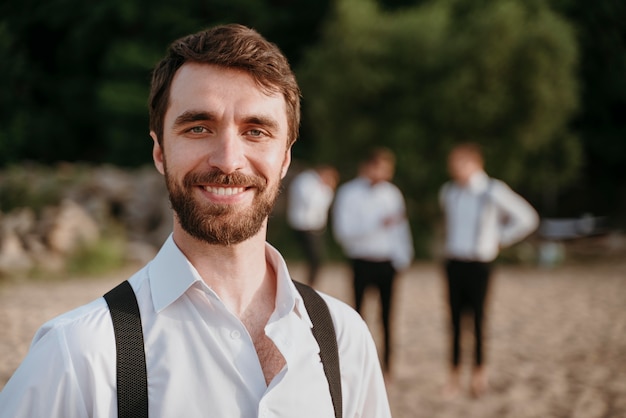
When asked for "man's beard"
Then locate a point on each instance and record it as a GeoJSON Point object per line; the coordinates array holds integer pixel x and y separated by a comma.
{"type": "Point", "coordinates": [220, 224]}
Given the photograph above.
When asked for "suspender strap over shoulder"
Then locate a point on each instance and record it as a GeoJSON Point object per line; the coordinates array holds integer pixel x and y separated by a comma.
{"type": "Point", "coordinates": [324, 333]}
{"type": "Point", "coordinates": [132, 381]}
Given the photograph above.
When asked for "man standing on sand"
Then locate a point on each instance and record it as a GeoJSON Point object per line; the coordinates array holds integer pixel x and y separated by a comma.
{"type": "Point", "coordinates": [310, 196]}
{"type": "Point", "coordinates": [482, 215]}
{"type": "Point", "coordinates": [370, 224]}
{"type": "Point", "coordinates": [226, 332]}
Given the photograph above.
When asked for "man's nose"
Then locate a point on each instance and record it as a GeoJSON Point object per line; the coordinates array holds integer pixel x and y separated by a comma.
{"type": "Point", "coordinates": [228, 152]}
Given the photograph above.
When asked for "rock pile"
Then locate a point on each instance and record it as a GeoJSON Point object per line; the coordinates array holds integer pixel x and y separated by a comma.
{"type": "Point", "coordinates": [134, 201]}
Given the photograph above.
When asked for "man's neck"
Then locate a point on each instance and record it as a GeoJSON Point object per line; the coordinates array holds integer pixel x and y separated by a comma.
{"type": "Point", "coordinates": [238, 274]}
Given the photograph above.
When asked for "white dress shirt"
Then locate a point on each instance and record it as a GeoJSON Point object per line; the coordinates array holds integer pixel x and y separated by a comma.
{"type": "Point", "coordinates": [358, 215]}
{"type": "Point", "coordinates": [484, 216]}
{"type": "Point", "coordinates": [308, 201]}
{"type": "Point", "coordinates": [201, 361]}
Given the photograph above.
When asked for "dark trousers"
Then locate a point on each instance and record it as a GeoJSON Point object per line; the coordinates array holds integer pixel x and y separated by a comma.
{"type": "Point", "coordinates": [468, 282]}
{"type": "Point", "coordinates": [381, 275]}
{"type": "Point", "coordinates": [312, 245]}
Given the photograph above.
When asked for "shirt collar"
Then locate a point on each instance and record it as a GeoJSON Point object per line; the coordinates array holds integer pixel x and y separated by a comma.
{"type": "Point", "coordinates": [171, 274]}
{"type": "Point", "coordinates": [366, 183]}
{"type": "Point", "coordinates": [287, 296]}
{"type": "Point", "coordinates": [478, 182]}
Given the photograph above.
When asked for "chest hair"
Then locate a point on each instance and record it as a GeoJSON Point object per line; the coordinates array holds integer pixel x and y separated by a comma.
{"type": "Point", "coordinates": [270, 358]}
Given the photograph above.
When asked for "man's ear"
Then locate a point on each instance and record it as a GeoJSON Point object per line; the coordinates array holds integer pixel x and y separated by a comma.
{"type": "Point", "coordinates": [157, 154]}
{"type": "Point", "coordinates": [286, 163]}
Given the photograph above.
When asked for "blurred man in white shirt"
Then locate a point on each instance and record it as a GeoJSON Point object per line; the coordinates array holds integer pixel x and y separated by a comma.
{"type": "Point", "coordinates": [308, 201]}
{"type": "Point", "coordinates": [370, 224]}
{"type": "Point", "coordinates": [482, 215]}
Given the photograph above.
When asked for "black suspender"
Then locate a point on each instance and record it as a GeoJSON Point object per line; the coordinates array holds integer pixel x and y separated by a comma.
{"type": "Point", "coordinates": [132, 381]}
{"type": "Point", "coordinates": [324, 333]}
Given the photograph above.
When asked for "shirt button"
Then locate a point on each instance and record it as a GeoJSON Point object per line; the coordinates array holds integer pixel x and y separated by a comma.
{"type": "Point", "coordinates": [235, 335]}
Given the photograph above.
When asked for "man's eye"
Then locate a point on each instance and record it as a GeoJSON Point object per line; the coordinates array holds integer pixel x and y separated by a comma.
{"type": "Point", "coordinates": [255, 132]}
{"type": "Point", "coordinates": [197, 130]}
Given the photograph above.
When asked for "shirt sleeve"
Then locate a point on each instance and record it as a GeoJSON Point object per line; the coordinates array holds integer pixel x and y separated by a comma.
{"type": "Point", "coordinates": [45, 384]}
{"type": "Point", "coordinates": [374, 402]}
{"type": "Point", "coordinates": [405, 253]}
{"type": "Point", "coordinates": [521, 218]}
{"type": "Point", "coordinates": [402, 236]}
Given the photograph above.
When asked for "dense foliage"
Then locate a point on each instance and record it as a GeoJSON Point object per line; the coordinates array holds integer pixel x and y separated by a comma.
{"type": "Point", "coordinates": [75, 74]}
{"type": "Point", "coordinates": [420, 79]}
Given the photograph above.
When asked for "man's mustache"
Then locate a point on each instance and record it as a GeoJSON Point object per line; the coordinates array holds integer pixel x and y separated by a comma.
{"type": "Point", "coordinates": [218, 177]}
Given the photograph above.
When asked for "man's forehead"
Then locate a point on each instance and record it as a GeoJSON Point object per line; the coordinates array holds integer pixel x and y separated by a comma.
{"type": "Point", "coordinates": [205, 74]}
{"type": "Point", "coordinates": [199, 86]}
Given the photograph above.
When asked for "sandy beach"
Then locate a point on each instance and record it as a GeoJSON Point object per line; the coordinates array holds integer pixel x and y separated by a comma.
{"type": "Point", "coordinates": [556, 343]}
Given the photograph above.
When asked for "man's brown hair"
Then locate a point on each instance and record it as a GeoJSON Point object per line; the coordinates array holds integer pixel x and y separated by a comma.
{"type": "Point", "coordinates": [229, 46]}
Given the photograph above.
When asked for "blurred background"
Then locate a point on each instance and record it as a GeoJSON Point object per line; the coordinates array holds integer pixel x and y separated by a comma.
{"type": "Point", "coordinates": [539, 83]}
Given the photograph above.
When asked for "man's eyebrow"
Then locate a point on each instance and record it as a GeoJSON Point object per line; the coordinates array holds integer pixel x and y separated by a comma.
{"type": "Point", "coordinates": [192, 116]}
{"type": "Point", "coordinates": [264, 121]}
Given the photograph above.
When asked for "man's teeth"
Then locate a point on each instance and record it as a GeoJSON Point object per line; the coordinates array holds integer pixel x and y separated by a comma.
{"type": "Point", "coordinates": [224, 191]}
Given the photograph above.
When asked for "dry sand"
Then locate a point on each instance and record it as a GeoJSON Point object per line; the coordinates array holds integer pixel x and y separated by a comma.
{"type": "Point", "coordinates": [556, 338]}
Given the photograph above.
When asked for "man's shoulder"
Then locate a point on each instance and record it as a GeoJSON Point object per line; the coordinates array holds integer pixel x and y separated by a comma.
{"type": "Point", "coordinates": [81, 324]}
{"type": "Point", "coordinates": [498, 187]}
{"type": "Point", "coordinates": [447, 185]}
{"type": "Point", "coordinates": [355, 185]}
{"type": "Point", "coordinates": [304, 177]}
{"type": "Point", "coordinates": [71, 354]}
{"type": "Point", "coordinates": [84, 325]}
{"type": "Point", "coordinates": [392, 187]}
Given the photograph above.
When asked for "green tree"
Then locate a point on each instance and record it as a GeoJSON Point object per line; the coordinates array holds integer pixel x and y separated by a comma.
{"type": "Point", "coordinates": [75, 74]}
{"type": "Point", "coordinates": [601, 35]}
{"type": "Point", "coordinates": [419, 79]}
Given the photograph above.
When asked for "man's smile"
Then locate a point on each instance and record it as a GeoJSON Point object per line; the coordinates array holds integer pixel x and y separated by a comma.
{"type": "Point", "coordinates": [224, 191]}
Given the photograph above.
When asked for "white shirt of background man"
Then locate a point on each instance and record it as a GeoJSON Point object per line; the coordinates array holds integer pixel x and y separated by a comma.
{"type": "Point", "coordinates": [309, 200]}
{"type": "Point", "coordinates": [358, 222]}
{"type": "Point", "coordinates": [483, 217]}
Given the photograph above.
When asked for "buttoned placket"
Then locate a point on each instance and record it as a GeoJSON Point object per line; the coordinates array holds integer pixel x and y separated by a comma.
{"type": "Point", "coordinates": [236, 337]}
